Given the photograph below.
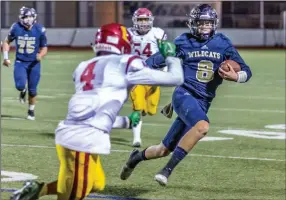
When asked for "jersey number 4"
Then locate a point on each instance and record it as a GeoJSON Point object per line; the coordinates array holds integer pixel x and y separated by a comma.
{"type": "Point", "coordinates": [87, 76]}
{"type": "Point", "coordinates": [146, 51]}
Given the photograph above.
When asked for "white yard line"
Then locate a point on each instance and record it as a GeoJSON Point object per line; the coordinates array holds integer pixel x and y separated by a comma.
{"type": "Point", "coordinates": [7, 99]}
{"type": "Point", "coordinates": [128, 151]}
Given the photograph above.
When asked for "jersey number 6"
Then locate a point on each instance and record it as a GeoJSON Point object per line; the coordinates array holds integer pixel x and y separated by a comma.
{"type": "Point", "coordinates": [87, 76]}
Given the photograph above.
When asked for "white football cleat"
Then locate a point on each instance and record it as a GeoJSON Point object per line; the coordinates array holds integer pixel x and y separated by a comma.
{"type": "Point", "coordinates": [161, 179]}
{"type": "Point", "coordinates": [31, 115]}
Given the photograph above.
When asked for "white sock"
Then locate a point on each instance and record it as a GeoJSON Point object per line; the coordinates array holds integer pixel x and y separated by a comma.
{"type": "Point", "coordinates": [31, 107]}
{"type": "Point", "coordinates": [137, 132]}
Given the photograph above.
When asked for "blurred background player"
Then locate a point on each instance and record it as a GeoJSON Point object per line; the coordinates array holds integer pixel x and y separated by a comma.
{"type": "Point", "coordinates": [31, 46]}
{"type": "Point", "coordinates": [202, 51]}
{"type": "Point", "coordinates": [93, 110]}
{"type": "Point", "coordinates": [145, 99]}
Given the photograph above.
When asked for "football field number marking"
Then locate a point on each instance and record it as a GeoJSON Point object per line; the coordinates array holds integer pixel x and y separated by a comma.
{"type": "Point", "coordinates": [272, 135]}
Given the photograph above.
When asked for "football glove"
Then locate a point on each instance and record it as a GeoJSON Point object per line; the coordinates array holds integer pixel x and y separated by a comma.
{"type": "Point", "coordinates": [166, 48]}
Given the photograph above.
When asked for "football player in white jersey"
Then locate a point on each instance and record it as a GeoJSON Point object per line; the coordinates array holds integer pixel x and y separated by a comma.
{"type": "Point", "coordinates": [145, 98]}
{"type": "Point", "coordinates": [102, 86]}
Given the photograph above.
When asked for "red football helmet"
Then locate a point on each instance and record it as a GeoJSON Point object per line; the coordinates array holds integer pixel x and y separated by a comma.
{"type": "Point", "coordinates": [113, 38]}
{"type": "Point", "coordinates": [143, 20]}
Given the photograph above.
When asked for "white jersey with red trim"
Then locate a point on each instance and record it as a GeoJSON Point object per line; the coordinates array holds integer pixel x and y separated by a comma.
{"type": "Point", "coordinates": [101, 88]}
{"type": "Point", "coordinates": [146, 45]}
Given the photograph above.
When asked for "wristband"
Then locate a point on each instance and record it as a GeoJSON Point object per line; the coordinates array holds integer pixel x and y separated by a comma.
{"type": "Point", "coordinates": [5, 55]}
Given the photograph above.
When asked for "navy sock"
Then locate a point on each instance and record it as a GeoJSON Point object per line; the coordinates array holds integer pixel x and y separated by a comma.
{"type": "Point", "coordinates": [178, 155]}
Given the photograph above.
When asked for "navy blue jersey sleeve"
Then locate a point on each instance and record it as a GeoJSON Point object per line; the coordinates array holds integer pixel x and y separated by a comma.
{"type": "Point", "coordinates": [232, 54]}
{"type": "Point", "coordinates": [43, 38]}
{"type": "Point", "coordinates": [12, 33]}
{"type": "Point", "coordinates": [156, 61]}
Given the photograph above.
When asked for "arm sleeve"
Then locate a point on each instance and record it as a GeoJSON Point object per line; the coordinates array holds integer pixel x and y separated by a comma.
{"type": "Point", "coordinates": [12, 33]}
{"type": "Point", "coordinates": [156, 61]}
{"type": "Point", "coordinates": [138, 74]}
{"type": "Point", "coordinates": [232, 54]}
{"type": "Point", "coordinates": [121, 122]}
{"type": "Point", "coordinates": [43, 38]}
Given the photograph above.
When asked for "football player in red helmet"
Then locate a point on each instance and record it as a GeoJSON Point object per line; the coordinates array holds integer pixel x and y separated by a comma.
{"type": "Point", "coordinates": [145, 98]}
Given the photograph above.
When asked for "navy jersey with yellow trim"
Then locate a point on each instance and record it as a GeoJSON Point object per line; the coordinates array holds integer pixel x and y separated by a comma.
{"type": "Point", "coordinates": [27, 42]}
{"type": "Point", "coordinates": [201, 61]}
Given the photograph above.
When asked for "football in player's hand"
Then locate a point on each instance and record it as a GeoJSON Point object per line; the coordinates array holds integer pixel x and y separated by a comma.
{"type": "Point", "coordinates": [235, 65]}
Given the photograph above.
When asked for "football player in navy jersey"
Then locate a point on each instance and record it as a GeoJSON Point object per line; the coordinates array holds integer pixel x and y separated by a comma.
{"type": "Point", "coordinates": [31, 46]}
{"type": "Point", "coordinates": [202, 50]}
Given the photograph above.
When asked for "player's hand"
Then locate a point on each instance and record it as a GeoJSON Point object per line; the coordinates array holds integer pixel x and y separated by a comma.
{"type": "Point", "coordinates": [166, 48]}
{"type": "Point", "coordinates": [231, 75]}
{"type": "Point", "coordinates": [39, 58]}
{"type": "Point", "coordinates": [6, 62]}
{"type": "Point", "coordinates": [134, 118]}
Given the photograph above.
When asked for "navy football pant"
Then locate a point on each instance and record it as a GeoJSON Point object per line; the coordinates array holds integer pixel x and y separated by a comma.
{"type": "Point", "coordinates": [190, 110]}
{"type": "Point", "coordinates": [27, 71]}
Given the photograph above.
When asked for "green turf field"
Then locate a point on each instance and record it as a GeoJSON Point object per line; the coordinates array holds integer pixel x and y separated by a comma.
{"type": "Point", "coordinates": [242, 167]}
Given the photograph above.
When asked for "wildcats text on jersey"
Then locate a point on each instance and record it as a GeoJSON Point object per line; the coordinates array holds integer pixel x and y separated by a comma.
{"type": "Point", "coordinates": [209, 54]}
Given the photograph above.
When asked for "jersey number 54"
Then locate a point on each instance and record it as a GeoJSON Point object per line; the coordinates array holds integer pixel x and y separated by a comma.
{"type": "Point", "coordinates": [146, 51]}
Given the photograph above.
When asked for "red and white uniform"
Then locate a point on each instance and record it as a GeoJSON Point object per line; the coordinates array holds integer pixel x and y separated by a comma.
{"type": "Point", "coordinates": [101, 88]}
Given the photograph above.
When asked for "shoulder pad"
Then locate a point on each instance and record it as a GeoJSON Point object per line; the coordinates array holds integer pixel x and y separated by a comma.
{"type": "Point", "coordinates": [40, 27]}
{"type": "Point", "coordinates": [14, 25]}
{"type": "Point", "coordinates": [133, 63]}
{"type": "Point", "coordinates": [130, 30]}
{"type": "Point", "coordinates": [158, 32]}
{"type": "Point", "coordinates": [223, 37]}
{"type": "Point", "coordinates": [181, 39]}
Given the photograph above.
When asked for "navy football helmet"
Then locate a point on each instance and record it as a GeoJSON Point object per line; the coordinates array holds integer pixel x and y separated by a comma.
{"type": "Point", "coordinates": [203, 21]}
{"type": "Point", "coordinates": [27, 16]}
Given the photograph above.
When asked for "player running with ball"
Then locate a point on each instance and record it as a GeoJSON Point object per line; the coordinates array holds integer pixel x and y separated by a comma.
{"type": "Point", "coordinates": [202, 51]}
